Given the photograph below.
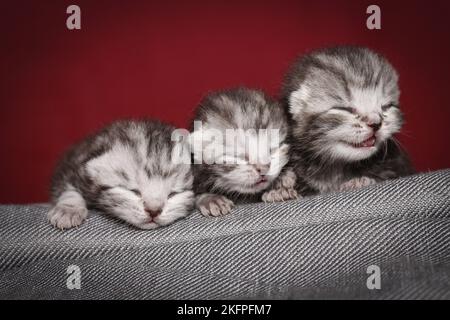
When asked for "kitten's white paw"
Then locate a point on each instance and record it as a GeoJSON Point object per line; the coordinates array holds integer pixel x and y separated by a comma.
{"type": "Point", "coordinates": [214, 205]}
{"type": "Point", "coordinates": [287, 180]}
{"type": "Point", "coordinates": [357, 183]}
{"type": "Point", "coordinates": [279, 194]}
{"type": "Point", "coordinates": [66, 217]}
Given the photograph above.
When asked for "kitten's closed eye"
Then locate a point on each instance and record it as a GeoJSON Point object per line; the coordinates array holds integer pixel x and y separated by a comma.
{"type": "Point", "coordinates": [346, 109]}
{"type": "Point", "coordinates": [388, 106]}
{"type": "Point", "coordinates": [136, 192]}
{"type": "Point", "coordinates": [172, 194]}
{"type": "Point", "coordinates": [104, 188]}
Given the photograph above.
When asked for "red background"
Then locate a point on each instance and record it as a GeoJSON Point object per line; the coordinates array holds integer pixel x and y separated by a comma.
{"type": "Point", "coordinates": [157, 59]}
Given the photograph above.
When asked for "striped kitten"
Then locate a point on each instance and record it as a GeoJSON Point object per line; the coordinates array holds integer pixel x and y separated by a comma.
{"type": "Point", "coordinates": [126, 170]}
{"type": "Point", "coordinates": [344, 109]}
{"type": "Point", "coordinates": [234, 159]}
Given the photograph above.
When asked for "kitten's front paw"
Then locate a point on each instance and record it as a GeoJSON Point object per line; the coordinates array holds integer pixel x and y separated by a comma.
{"type": "Point", "coordinates": [357, 183]}
{"type": "Point", "coordinates": [66, 217]}
{"type": "Point", "coordinates": [287, 180]}
{"type": "Point", "coordinates": [279, 194]}
{"type": "Point", "coordinates": [214, 205]}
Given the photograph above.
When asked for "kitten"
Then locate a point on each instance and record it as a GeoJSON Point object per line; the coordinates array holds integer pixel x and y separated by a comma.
{"type": "Point", "coordinates": [127, 170]}
{"type": "Point", "coordinates": [239, 145]}
{"type": "Point", "coordinates": [344, 110]}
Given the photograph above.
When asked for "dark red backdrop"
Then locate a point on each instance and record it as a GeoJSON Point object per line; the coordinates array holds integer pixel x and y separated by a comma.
{"type": "Point", "coordinates": [157, 59]}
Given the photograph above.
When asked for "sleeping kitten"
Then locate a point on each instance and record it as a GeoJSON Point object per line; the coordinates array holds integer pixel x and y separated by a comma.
{"type": "Point", "coordinates": [127, 170]}
{"type": "Point", "coordinates": [239, 151]}
{"type": "Point", "coordinates": [344, 110]}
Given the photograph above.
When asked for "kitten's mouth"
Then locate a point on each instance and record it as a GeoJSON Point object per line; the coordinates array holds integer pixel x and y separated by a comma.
{"type": "Point", "coordinates": [261, 181]}
{"type": "Point", "coordinates": [152, 222]}
{"type": "Point", "coordinates": [368, 143]}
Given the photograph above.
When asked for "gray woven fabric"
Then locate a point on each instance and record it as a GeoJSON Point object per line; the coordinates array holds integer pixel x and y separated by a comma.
{"type": "Point", "coordinates": [317, 247]}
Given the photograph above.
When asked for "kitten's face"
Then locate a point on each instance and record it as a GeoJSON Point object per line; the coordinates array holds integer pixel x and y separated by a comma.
{"type": "Point", "coordinates": [238, 139]}
{"type": "Point", "coordinates": [139, 194]}
{"type": "Point", "coordinates": [248, 163]}
{"type": "Point", "coordinates": [251, 176]}
{"type": "Point", "coordinates": [347, 113]}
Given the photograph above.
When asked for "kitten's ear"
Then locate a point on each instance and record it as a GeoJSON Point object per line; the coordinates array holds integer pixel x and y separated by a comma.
{"type": "Point", "coordinates": [297, 100]}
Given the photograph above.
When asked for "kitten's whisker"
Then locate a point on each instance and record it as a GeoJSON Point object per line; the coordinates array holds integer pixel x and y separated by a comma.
{"type": "Point", "coordinates": [405, 134]}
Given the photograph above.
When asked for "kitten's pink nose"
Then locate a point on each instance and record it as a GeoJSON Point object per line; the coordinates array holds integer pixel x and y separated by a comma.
{"type": "Point", "coordinates": [262, 169]}
{"type": "Point", "coordinates": [153, 209]}
{"type": "Point", "coordinates": [153, 213]}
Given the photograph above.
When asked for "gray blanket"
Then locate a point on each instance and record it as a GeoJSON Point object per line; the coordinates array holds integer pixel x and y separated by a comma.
{"type": "Point", "coordinates": [317, 247]}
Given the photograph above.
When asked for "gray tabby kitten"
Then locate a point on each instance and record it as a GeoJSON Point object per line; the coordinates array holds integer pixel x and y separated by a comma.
{"type": "Point", "coordinates": [129, 170]}
{"type": "Point", "coordinates": [344, 110]}
{"type": "Point", "coordinates": [238, 161]}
